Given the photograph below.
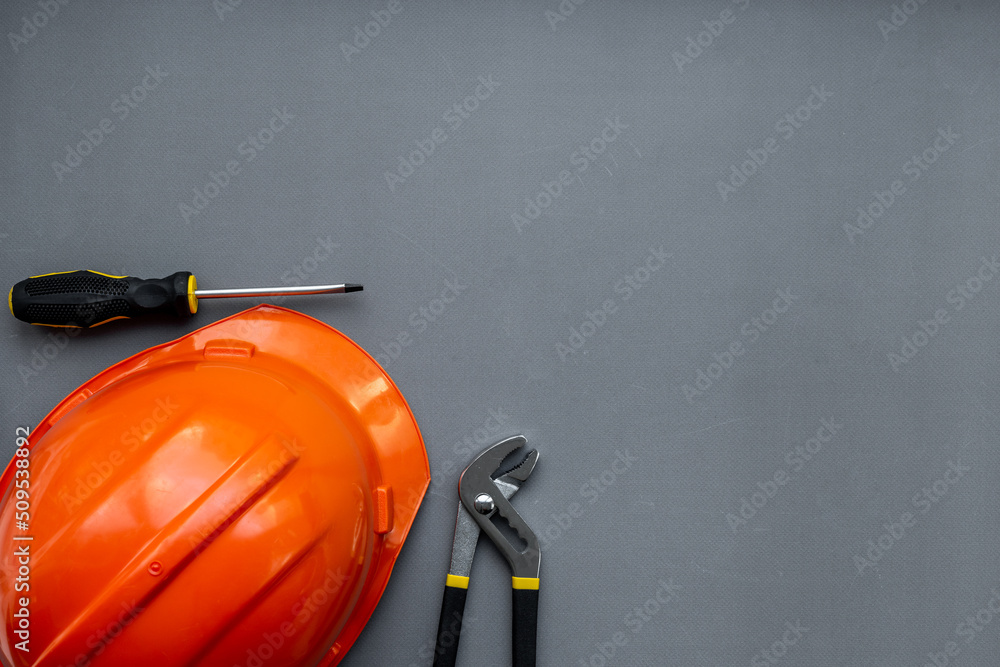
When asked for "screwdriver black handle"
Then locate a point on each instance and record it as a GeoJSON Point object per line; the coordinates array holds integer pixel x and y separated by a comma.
{"type": "Point", "coordinates": [88, 298]}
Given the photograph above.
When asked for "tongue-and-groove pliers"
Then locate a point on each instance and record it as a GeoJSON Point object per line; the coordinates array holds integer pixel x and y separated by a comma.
{"type": "Point", "coordinates": [483, 500]}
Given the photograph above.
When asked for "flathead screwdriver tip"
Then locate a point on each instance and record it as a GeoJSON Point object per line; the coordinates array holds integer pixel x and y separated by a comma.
{"type": "Point", "coordinates": [353, 287]}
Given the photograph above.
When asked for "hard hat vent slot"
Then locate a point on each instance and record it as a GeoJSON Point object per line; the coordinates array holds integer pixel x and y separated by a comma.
{"type": "Point", "coordinates": [229, 349]}
{"type": "Point", "coordinates": [383, 510]}
{"type": "Point", "coordinates": [69, 404]}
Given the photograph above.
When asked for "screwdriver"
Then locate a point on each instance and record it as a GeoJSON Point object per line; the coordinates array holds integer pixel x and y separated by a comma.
{"type": "Point", "coordinates": [86, 299]}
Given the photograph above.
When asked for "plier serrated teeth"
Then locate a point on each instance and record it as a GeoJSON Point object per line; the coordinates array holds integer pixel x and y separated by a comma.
{"type": "Point", "coordinates": [483, 498]}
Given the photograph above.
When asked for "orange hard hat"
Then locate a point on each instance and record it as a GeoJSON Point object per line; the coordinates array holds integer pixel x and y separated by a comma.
{"type": "Point", "coordinates": [235, 498]}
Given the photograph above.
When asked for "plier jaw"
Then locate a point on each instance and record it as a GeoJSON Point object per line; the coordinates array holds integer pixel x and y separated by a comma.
{"type": "Point", "coordinates": [483, 500]}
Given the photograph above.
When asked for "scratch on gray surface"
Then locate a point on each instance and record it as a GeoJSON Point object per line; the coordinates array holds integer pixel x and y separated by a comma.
{"type": "Point", "coordinates": [543, 148]}
{"type": "Point", "coordinates": [432, 492]}
{"type": "Point", "coordinates": [858, 576]}
{"type": "Point", "coordinates": [635, 149]}
{"type": "Point", "coordinates": [684, 630]}
{"type": "Point", "coordinates": [598, 216]}
{"type": "Point", "coordinates": [872, 350]}
{"type": "Point", "coordinates": [788, 424]}
{"type": "Point", "coordinates": [727, 575]}
{"type": "Point", "coordinates": [914, 277]}
{"type": "Point", "coordinates": [730, 421]}
{"type": "Point", "coordinates": [423, 250]}
{"type": "Point", "coordinates": [450, 71]}
{"type": "Point", "coordinates": [977, 145]}
{"type": "Point", "coordinates": [23, 400]}
{"type": "Point", "coordinates": [437, 207]}
{"type": "Point", "coordinates": [975, 399]}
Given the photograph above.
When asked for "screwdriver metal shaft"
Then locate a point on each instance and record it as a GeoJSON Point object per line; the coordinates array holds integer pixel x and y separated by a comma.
{"type": "Point", "coordinates": [278, 291]}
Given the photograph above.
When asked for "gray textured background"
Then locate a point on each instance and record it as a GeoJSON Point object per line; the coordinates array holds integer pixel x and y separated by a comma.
{"type": "Point", "coordinates": [494, 348]}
